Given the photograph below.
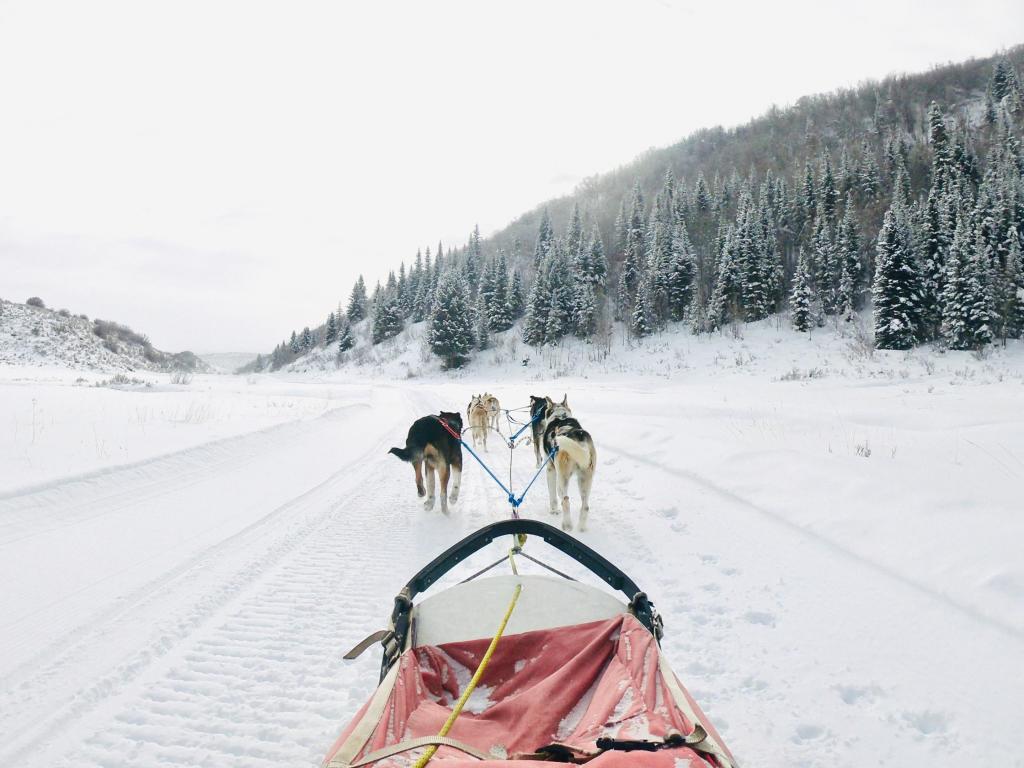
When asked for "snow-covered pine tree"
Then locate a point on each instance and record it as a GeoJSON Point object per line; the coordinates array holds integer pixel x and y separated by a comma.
{"type": "Point", "coordinates": [404, 302]}
{"type": "Point", "coordinates": [936, 235]}
{"type": "Point", "coordinates": [801, 300]}
{"type": "Point", "coordinates": [636, 236]}
{"type": "Point", "coordinates": [424, 291]}
{"type": "Point", "coordinates": [824, 265]}
{"type": "Point", "coordinates": [1012, 309]}
{"type": "Point", "coordinates": [306, 343]}
{"type": "Point", "coordinates": [574, 234]}
{"type": "Point", "coordinates": [451, 320]}
{"type": "Point", "coordinates": [682, 271]}
{"type": "Point", "coordinates": [499, 313]}
{"type": "Point", "coordinates": [332, 329]}
{"type": "Point", "coordinates": [345, 338]}
{"type": "Point", "coordinates": [967, 307]}
{"type": "Point", "coordinates": [481, 327]}
{"type": "Point", "coordinates": [295, 345]}
{"type": "Point", "coordinates": [726, 303]}
{"type": "Point", "coordinates": [867, 173]}
{"type": "Point", "coordinates": [641, 319]}
{"type": "Point", "coordinates": [545, 237]}
{"type": "Point", "coordinates": [848, 255]}
{"type": "Point", "coordinates": [538, 307]}
{"type": "Point", "coordinates": [474, 261]}
{"type": "Point", "coordinates": [808, 196]}
{"type": "Point", "coordinates": [828, 196]}
{"type": "Point", "coordinates": [584, 317]}
{"type": "Point", "coordinates": [516, 301]}
{"type": "Point", "coordinates": [357, 302]}
{"type": "Point", "coordinates": [387, 318]}
{"type": "Point", "coordinates": [942, 155]}
{"type": "Point", "coordinates": [560, 295]}
{"type": "Point", "coordinates": [897, 288]}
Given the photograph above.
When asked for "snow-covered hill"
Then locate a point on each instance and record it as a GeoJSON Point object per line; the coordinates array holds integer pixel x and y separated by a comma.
{"type": "Point", "coordinates": [31, 335]}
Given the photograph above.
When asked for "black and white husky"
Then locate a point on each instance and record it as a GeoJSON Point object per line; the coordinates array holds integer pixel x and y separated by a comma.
{"type": "Point", "coordinates": [432, 447]}
{"type": "Point", "coordinates": [576, 456]}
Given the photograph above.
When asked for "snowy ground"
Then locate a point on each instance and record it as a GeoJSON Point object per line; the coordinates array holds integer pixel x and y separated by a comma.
{"type": "Point", "coordinates": [833, 539]}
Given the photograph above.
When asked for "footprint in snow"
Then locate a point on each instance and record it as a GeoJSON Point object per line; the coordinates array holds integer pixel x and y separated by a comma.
{"type": "Point", "coordinates": [760, 617]}
{"type": "Point", "coordinates": [729, 571]}
{"type": "Point", "coordinates": [709, 559]}
{"type": "Point", "coordinates": [927, 722]}
{"type": "Point", "coordinates": [852, 694]}
{"type": "Point", "coordinates": [807, 732]}
{"type": "Point", "coordinates": [670, 513]}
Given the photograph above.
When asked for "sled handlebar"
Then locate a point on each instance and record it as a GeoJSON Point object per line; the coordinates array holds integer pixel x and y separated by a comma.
{"type": "Point", "coordinates": [611, 574]}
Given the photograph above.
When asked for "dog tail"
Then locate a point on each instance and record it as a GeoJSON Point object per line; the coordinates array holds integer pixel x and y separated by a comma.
{"type": "Point", "coordinates": [403, 453]}
{"type": "Point", "coordinates": [580, 452]}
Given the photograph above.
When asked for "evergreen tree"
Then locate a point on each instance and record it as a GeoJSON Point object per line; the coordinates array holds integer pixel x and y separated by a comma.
{"type": "Point", "coordinates": [560, 296]}
{"type": "Point", "coordinates": [332, 329]}
{"type": "Point", "coordinates": [966, 306]}
{"type": "Point", "coordinates": [867, 173]}
{"type": "Point", "coordinates": [682, 271]}
{"type": "Point", "coordinates": [726, 303]}
{"type": "Point", "coordinates": [633, 266]}
{"type": "Point", "coordinates": [827, 193]}
{"type": "Point", "coordinates": [451, 320]}
{"type": "Point", "coordinates": [545, 238]}
{"type": "Point", "coordinates": [474, 260]}
{"type": "Point", "coordinates": [516, 302]}
{"type": "Point", "coordinates": [1012, 296]}
{"type": "Point", "coordinates": [642, 317]}
{"type": "Point", "coordinates": [387, 319]}
{"type": "Point", "coordinates": [357, 303]}
{"type": "Point", "coordinates": [801, 300]}
{"type": "Point", "coordinates": [848, 255]}
{"type": "Point", "coordinates": [345, 338]}
{"type": "Point", "coordinates": [584, 319]}
{"type": "Point", "coordinates": [294, 345]}
{"type": "Point", "coordinates": [897, 288]}
{"type": "Point", "coordinates": [574, 234]}
{"type": "Point", "coordinates": [942, 156]}
{"type": "Point", "coordinates": [307, 339]}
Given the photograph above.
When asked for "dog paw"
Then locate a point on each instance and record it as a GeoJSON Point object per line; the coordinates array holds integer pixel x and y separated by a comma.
{"type": "Point", "coordinates": [566, 525]}
{"type": "Point", "coordinates": [428, 504]}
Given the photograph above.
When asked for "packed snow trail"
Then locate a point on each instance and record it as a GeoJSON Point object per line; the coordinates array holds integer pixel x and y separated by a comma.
{"type": "Point", "coordinates": [208, 628]}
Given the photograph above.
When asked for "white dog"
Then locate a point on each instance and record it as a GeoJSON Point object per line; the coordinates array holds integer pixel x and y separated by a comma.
{"type": "Point", "coordinates": [576, 456]}
{"type": "Point", "coordinates": [479, 420]}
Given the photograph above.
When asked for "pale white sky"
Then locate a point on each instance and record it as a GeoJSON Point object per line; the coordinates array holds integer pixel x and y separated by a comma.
{"type": "Point", "coordinates": [217, 173]}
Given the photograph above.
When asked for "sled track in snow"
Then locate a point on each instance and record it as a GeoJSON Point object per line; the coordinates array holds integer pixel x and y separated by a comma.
{"type": "Point", "coordinates": [832, 546]}
{"type": "Point", "coordinates": [152, 625]}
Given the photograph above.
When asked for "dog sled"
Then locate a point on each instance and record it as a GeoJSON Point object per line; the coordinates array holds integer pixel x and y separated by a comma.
{"type": "Point", "coordinates": [505, 671]}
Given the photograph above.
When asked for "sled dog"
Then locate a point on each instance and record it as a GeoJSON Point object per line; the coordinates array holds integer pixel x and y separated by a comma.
{"type": "Point", "coordinates": [576, 456]}
{"type": "Point", "coordinates": [493, 408]}
{"type": "Point", "coordinates": [479, 419]}
{"type": "Point", "coordinates": [538, 405]}
{"type": "Point", "coordinates": [429, 445]}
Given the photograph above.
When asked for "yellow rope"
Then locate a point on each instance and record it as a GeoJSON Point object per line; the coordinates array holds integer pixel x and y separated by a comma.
{"type": "Point", "coordinates": [432, 749]}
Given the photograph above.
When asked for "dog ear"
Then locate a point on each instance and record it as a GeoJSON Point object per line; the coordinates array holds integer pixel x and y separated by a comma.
{"type": "Point", "coordinates": [548, 402]}
{"type": "Point", "coordinates": [565, 400]}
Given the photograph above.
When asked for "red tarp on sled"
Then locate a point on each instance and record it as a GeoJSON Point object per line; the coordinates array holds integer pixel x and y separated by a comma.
{"type": "Point", "coordinates": [570, 685]}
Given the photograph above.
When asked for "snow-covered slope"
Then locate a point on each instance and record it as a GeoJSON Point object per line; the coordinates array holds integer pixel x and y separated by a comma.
{"type": "Point", "coordinates": [38, 336]}
{"type": "Point", "coordinates": [832, 535]}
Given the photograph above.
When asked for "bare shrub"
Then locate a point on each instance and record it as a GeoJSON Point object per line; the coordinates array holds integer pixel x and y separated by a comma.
{"type": "Point", "coordinates": [184, 378]}
{"type": "Point", "coordinates": [35, 301]}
